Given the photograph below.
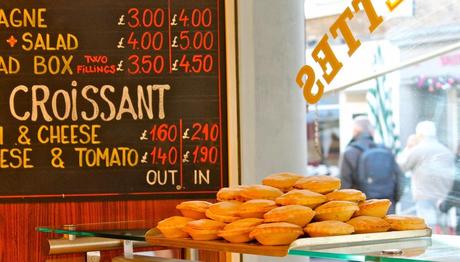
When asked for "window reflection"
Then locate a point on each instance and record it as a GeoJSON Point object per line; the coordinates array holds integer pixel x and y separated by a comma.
{"type": "Point", "coordinates": [396, 103]}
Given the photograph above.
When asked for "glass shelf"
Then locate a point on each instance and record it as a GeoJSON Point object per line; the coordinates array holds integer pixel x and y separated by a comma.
{"type": "Point", "coordinates": [441, 248]}
{"type": "Point", "coordinates": [127, 230]}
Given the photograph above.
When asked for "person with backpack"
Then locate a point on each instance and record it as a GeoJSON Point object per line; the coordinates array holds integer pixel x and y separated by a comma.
{"type": "Point", "coordinates": [432, 167]}
{"type": "Point", "coordinates": [371, 167]}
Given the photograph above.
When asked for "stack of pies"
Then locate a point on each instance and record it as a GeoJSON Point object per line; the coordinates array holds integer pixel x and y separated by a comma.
{"type": "Point", "coordinates": [284, 208]}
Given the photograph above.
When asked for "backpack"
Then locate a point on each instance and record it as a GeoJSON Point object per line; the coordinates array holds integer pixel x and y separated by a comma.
{"type": "Point", "coordinates": [375, 174]}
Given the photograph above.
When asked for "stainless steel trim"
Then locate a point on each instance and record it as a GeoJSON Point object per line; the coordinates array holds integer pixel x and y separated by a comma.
{"type": "Point", "coordinates": [86, 244]}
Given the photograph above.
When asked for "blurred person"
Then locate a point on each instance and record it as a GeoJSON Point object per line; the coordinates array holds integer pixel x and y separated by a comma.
{"type": "Point", "coordinates": [412, 141]}
{"type": "Point", "coordinates": [432, 169]}
{"type": "Point", "coordinates": [453, 198]}
{"type": "Point", "coordinates": [407, 205]}
{"type": "Point", "coordinates": [370, 167]}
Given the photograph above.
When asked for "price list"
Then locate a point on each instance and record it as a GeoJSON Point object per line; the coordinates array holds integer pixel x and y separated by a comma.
{"type": "Point", "coordinates": [112, 99]}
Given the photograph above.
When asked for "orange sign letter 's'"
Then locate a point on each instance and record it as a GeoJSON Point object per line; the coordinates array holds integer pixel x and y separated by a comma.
{"type": "Point", "coordinates": [307, 86]}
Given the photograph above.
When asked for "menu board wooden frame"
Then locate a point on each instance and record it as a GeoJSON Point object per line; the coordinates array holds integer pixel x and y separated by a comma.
{"type": "Point", "coordinates": [232, 94]}
{"type": "Point", "coordinates": [233, 156]}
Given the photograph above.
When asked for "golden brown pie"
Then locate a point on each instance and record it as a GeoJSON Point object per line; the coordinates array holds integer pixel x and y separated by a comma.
{"type": "Point", "coordinates": [405, 222]}
{"type": "Point", "coordinates": [283, 181]}
{"type": "Point", "coordinates": [203, 229]}
{"type": "Point", "coordinates": [294, 214]}
{"type": "Point", "coordinates": [336, 210]}
{"type": "Point", "coordinates": [194, 209]}
{"type": "Point", "coordinates": [230, 193]}
{"type": "Point", "coordinates": [225, 211]}
{"type": "Point", "coordinates": [301, 197]}
{"type": "Point", "coordinates": [352, 195]}
{"type": "Point", "coordinates": [374, 208]}
{"type": "Point", "coordinates": [368, 224]}
{"type": "Point", "coordinates": [238, 231]}
{"type": "Point", "coordinates": [328, 228]}
{"type": "Point", "coordinates": [318, 184]}
{"type": "Point", "coordinates": [172, 227]}
{"type": "Point", "coordinates": [274, 234]}
{"type": "Point", "coordinates": [261, 192]}
{"type": "Point", "coordinates": [256, 208]}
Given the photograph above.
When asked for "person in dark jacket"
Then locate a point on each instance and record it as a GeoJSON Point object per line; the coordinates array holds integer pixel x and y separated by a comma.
{"type": "Point", "coordinates": [361, 141]}
{"type": "Point", "coordinates": [453, 198]}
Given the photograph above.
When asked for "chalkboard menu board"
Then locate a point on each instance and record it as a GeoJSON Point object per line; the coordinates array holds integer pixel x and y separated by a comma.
{"type": "Point", "coordinates": [112, 98]}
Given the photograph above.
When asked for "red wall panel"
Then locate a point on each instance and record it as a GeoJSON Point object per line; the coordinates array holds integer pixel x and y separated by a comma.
{"type": "Point", "coordinates": [20, 242]}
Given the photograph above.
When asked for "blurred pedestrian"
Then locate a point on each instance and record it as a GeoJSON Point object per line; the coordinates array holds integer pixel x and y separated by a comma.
{"type": "Point", "coordinates": [453, 198]}
{"type": "Point", "coordinates": [412, 141]}
{"type": "Point", "coordinates": [370, 167]}
{"type": "Point", "coordinates": [432, 171]}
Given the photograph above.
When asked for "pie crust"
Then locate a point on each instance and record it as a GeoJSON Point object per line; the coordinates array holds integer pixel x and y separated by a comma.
{"type": "Point", "coordinates": [256, 208]}
{"type": "Point", "coordinates": [301, 197]}
{"type": "Point", "coordinates": [352, 195]}
{"type": "Point", "coordinates": [194, 209]}
{"type": "Point", "coordinates": [405, 222]}
{"type": "Point", "coordinates": [203, 229]}
{"type": "Point", "coordinates": [374, 208]}
{"type": "Point", "coordinates": [294, 214]}
{"type": "Point", "coordinates": [238, 231]}
{"type": "Point", "coordinates": [318, 184]}
{"type": "Point", "coordinates": [261, 192]}
{"type": "Point", "coordinates": [172, 227]}
{"type": "Point", "coordinates": [283, 181]}
{"type": "Point", "coordinates": [328, 228]}
{"type": "Point", "coordinates": [368, 224]}
{"type": "Point", "coordinates": [274, 234]}
{"type": "Point", "coordinates": [336, 210]}
{"type": "Point", "coordinates": [230, 193]}
{"type": "Point", "coordinates": [225, 211]}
